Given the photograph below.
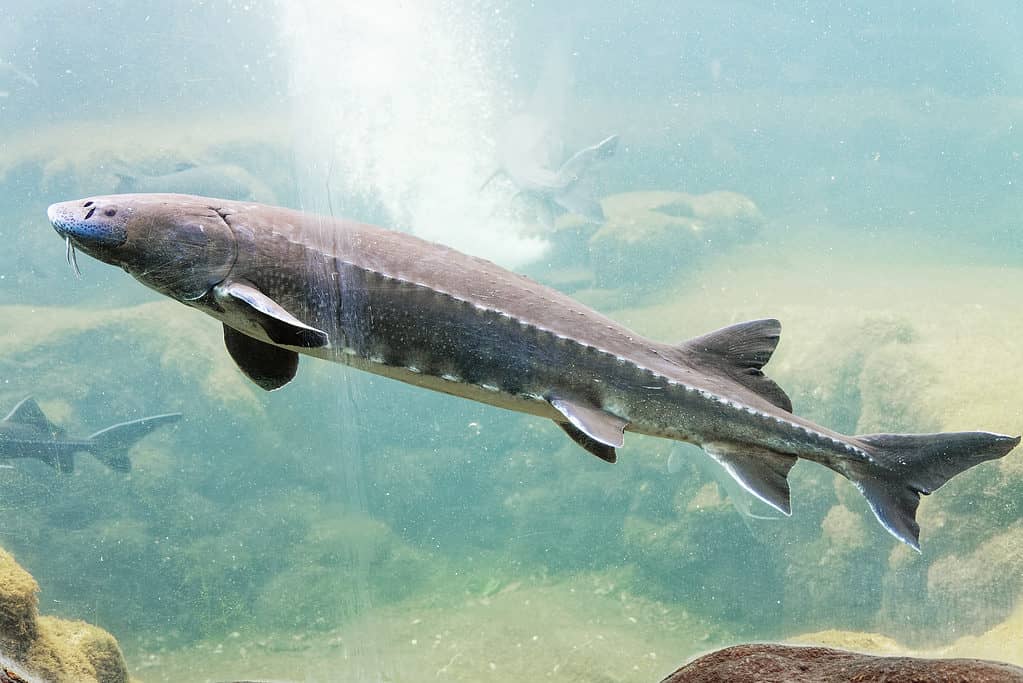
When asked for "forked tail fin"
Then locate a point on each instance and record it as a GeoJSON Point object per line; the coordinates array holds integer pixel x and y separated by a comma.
{"type": "Point", "coordinates": [110, 445]}
{"type": "Point", "coordinates": [910, 465]}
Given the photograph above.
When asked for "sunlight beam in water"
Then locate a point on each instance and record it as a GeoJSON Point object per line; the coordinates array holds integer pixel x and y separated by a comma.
{"type": "Point", "coordinates": [403, 101]}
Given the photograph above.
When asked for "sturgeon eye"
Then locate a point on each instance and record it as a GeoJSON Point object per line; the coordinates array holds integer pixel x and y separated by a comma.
{"type": "Point", "coordinates": [110, 212]}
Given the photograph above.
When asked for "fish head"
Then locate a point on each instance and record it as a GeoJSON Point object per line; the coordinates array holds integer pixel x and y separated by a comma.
{"type": "Point", "coordinates": [179, 245]}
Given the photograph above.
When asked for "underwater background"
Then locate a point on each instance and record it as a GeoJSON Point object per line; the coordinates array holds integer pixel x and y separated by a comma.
{"type": "Point", "coordinates": [852, 171]}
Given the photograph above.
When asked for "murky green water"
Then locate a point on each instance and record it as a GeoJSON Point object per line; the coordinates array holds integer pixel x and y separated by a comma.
{"type": "Point", "coordinates": [865, 164]}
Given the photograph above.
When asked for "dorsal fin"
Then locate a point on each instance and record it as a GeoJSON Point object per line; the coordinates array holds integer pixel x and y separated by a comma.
{"type": "Point", "coordinates": [740, 352]}
{"type": "Point", "coordinates": [28, 412]}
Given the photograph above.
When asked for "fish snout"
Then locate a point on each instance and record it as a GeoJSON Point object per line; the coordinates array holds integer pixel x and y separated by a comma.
{"type": "Point", "coordinates": [89, 223]}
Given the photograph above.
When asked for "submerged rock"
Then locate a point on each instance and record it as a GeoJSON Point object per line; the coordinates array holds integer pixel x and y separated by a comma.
{"type": "Point", "coordinates": [650, 236]}
{"type": "Point", "coordinates": [19, 606]}
{"type": "Point", "coordinates": [57, 649]}
{"type": "Point", "coordinates": [227, 181]}
{"type": "Point", "coordinates": [770, 663]}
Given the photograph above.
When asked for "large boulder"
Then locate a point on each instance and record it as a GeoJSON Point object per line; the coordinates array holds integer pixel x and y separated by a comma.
{"type": "Point", "coordinates": [773, 663]}
{"type": "Point", "coordinates": [650, 236]}
{"type": "Point", "coordinates": [57, 649]}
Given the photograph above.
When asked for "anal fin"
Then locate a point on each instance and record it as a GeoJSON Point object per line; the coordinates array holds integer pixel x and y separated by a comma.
{"type": "Point", "coordinates": [760, 471]}
{"type": "Point", "coordinates": [269, 366]}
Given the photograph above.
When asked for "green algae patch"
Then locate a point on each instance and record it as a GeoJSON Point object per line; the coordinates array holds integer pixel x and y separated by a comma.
{"type": "Point", "coordinates": [344, 564]}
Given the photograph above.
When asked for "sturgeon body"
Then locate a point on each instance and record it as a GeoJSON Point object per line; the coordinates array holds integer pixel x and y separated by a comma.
{"type": "Point", "coordinates": [285, 283]}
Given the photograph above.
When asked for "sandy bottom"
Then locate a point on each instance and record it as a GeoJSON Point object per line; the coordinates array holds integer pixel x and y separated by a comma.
{"type": "Point", "coordinates": [584, 629]}
{"type": "Point", "coordinates": [580, 630]}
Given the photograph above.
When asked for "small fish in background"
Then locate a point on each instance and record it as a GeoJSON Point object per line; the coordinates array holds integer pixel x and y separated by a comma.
{"type": "Point", "coordinates": [222, 180]}
{"type": "Point", "coordinates": [27, 433]}
{"type": "Point", "coordinates": [531, 149]}
{"type": "Point", "coordinates": [555, 191]}
{"type": "Point", "coordinates": [11, 74]}
{"type": "Point", "coordinates": [12, 78]}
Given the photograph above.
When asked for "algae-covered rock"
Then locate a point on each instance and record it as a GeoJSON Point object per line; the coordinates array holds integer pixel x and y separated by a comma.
{"type": "Point", "coordinates": [702, 559]}
{"type": "Point", "coordinates": [837, 569]}
{"type": "Point", "coordinates": [649, 236]}
{"type": "Point", "coordinates": [186, 347]}
{"type": "Point", "coordinates": [852, 366]}
{"type": "Point", "coordinates": [344, 564]}
{"type": "Point", "coordinates": [978, 589]}
{"type": "Point", "coordinates": [19, 604]}
{"type": "Point", "coordinates": [76, 651]}
{"type": "Point", "coordinates": [57, 649]}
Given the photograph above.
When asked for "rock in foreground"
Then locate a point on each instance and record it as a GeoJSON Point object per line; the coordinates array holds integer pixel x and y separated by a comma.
{"type": "Point", "coordinates": [771, 663]}
{"type": "Point", "coordinates": [58, 649]}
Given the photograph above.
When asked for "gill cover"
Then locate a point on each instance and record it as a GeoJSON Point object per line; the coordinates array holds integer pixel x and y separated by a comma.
{"type": "Point", "coordinates": [179, 248]}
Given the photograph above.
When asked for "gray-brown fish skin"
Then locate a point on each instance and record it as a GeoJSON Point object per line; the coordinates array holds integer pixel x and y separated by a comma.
{"type": "Point", "coordinates": [284, 282]}
{"type": "Point", "coordinates": [27, 433]}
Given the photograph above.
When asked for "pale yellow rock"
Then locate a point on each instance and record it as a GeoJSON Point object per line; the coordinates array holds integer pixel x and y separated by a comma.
{"type": "Point", "coordinates": [1003, 642]}
{"type": "Point", "coordinates": [844, 529]}
{"type": "Point", "coordinates": [708, 497]}
{"type": "Point", "coordinates": [57, 649]}
{"type": "Point", "coordinates": [19, 602]}
{"type": "Point", "coordinates": [872, 643]}
{"type": "Point", "coordinates": [75, 651]}
{"type": "Point", "coordinates": [647, 236]}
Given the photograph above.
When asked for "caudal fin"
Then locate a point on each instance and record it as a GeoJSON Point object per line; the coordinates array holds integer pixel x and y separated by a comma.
{"type": "Point", "coordinates": [910, 465]}
{"type": "Point", "coordinates": [110, 445]}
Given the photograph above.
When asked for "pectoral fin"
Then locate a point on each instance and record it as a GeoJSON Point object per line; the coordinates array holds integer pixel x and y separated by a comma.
{"type": "Point", "coordinates": [760, 471]}
{"type": "Point", "coordinates": [593, 428]}
{"type": "Point", "coordinates": [280, 325]}
{"type": "Point", "coordinates": [269, 366]}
